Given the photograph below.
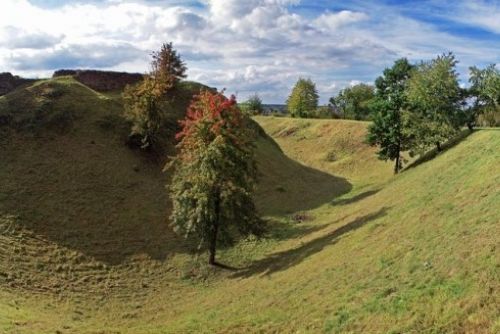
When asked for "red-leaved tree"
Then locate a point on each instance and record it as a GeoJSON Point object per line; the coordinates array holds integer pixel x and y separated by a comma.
{"type": "Point", "coordinates": [214, 173]}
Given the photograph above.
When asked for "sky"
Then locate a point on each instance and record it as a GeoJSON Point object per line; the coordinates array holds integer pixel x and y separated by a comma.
{"type": "Point", "coordinates": [248, 46]}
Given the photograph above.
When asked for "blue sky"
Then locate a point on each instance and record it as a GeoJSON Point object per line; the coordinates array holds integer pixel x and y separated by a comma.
{"type": "Point", "coordinates": [250, 46]}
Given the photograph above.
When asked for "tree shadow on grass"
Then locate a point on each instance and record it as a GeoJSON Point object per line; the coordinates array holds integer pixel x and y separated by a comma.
{"type": "Point", "coordinates": [287, 186]}
{"type": "Point", "coordinates": [289, 258]}
{"type": "Point", "coordinates": [444, 147]}
{"type": "Point", "coordinates": [354, 199]}
{"type": "Point", "coordinates": [285, 230]}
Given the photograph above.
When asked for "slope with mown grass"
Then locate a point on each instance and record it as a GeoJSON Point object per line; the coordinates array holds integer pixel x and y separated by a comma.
{"type": "Point", "coordinates": [85, 245]}
{"type": "Point", "coordinates": [420, 254]}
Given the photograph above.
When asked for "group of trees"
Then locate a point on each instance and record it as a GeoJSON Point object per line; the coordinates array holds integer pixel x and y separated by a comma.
{"type": "Point", "coordinates": [485, 95]}
{"type": "Point", "coordinates": [214, 172]}
{"type": "Point", "coordinates": [412, 107]}
{"type": "Point", "coordinates": [354, 102]}
{"type": "Point", "coordinates": [351, 103]}
{"type": "Point", "coordinates": [420, 106]}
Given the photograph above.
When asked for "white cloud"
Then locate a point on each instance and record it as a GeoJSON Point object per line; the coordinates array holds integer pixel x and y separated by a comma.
{"type": "Point", "coordinates": [17, 38]}
{"type": "Point", "coordinates": [246, 46]}
{"type": "Point", "coordinates": [476, 13]}
{"type": "Point", "coordinates": [332, 21]}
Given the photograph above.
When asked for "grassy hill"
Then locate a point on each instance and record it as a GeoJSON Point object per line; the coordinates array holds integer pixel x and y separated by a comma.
{"type": "Point", "coordinates": [85, 245]}
{"type": "Point", "coordinates": [336, 147]}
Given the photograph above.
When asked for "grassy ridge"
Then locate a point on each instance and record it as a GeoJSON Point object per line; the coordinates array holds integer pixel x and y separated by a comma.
{"type": "Point", "coordinates": [85, 245]}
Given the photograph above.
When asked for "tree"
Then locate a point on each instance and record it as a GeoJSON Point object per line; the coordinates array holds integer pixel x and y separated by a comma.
{"type": "Point", "coordinates": [304, 99]}
{"type": "Point", "coordinates": [435, 98]}
{"type": "Point", "coordinates": [142, 109]}
{"type": "Point", "coordinates": [388, 128]}
{"type": "Point", "coordinates": [147, 103]}
{"type": "Point", "coordinates": [167, 68]}
{"type": "Point", "coordinates": [485, 94]}
{"type": "Point", "coordinates": [354, 102]}
{"type": "Point", "coordinates": [253, 105]}
{"type": "Point", "coordinates": [214, 174]}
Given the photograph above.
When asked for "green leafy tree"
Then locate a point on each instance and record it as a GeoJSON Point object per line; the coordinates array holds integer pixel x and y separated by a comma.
{"type": "Point", "coordinates": [303, 100]}
{"type": "Point", "coordinates": [354, 102]}
{"type": "Point", "coordinates": [388, 128]}
{"type": "Point", "coordinates": [253, 106]}
{"type": "Point", "coordinates": [485, 93]}
{"type": "Point", "coordinates": [147, 103]}
{"type": "Point", "coordinates": [214, 174]}
{"type": "Point", "coordinates": [143, 110]}
{"type": "Point", "coordinates": [436, 100]}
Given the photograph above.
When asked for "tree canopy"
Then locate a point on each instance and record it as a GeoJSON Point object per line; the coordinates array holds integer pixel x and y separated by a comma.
{"type": "Point", "coordinates": [354, 102]}
{"type": "Point", "coordinates": [436, 100]}
{"type": "Point", "coordinates": [485, 93]}
{"type": "Point", "coordinates": [388, 127]}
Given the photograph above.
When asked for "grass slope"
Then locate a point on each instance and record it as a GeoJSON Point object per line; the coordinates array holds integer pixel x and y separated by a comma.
{"type": "Point", "coordinates": [85, 245]}
{"type": "Point", "coordinates": [388, 261]}
{"type": "Point", "coordinates": [80, 212]}
{"type": "Point", "coordinates": [334, 146]}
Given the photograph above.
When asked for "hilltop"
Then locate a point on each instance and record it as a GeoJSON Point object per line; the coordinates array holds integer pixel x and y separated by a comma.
{"type": "Point", "coordinates": [85, 245]}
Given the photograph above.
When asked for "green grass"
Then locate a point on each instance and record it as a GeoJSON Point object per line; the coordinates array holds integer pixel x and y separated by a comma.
{"type": "Point", "coordinates": [85, 245]}
{"type": "Point", "coordinates": [334, 146]}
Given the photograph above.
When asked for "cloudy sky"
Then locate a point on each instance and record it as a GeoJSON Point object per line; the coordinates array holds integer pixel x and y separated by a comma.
{"type": "Point", "coordinates": [248, 46]}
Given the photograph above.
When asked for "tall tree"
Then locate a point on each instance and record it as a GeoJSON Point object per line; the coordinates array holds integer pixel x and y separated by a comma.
{"type": "Point", "coordinates": [436, 99]}
{"type": "Point", "coordinates": [214, 174]}
{"type": "Point", "coordinates": [303, 100]}
{"type": "Point", "coordinates": [147, 103]}
{"type": "Point", "coordinates": [485, 94]}
{"type": "Point", "coordinates": [387, 130]}
{"type": "Point", "coordinates": [354, 102]}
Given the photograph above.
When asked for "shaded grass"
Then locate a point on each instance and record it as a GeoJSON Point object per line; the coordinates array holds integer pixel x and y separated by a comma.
{"type": "Point", "coordinates": [434, 152]}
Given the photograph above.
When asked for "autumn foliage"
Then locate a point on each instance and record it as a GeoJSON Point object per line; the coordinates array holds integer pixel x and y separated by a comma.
{"type": "Point", "coordinates": [214, 173]}
{"type": "Point", "coordinates": [148, 103]}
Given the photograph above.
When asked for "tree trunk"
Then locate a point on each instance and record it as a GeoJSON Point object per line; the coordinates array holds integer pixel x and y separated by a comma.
{"type": "Point", "coordinates": [438, 146]}
{"type": "Point", "coordinates": [396, 166]}
{"type": "Point", "coordinates": [215, 230]}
